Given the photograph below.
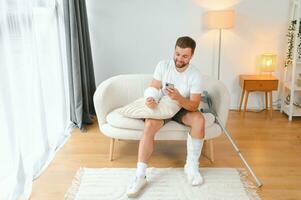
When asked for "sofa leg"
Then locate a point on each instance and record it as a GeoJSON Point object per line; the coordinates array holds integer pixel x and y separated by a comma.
{"type": "Point", "coordinates": [112, 142]}
{"type": "Point", "coordinates": [209, 155]}
{"type": "Point", "coordinates": [211, 147]}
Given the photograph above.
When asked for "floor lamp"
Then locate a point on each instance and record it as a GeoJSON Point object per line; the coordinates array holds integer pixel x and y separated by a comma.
{"type": "Point", "coordinates": [221, 19]}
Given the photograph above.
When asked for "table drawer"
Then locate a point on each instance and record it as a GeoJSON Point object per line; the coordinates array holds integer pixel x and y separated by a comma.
{"type": "Point", "coordinates": [261, 85]}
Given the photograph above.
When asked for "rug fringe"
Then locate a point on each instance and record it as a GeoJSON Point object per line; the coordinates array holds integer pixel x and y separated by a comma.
{"type": "Point", "coordinates": [74, 188]}
{"type": "Point", "coordinates": [249, 186]}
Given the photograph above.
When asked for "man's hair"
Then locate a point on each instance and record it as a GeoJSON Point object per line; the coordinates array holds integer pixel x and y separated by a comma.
{"type": "Point", "coordinates": [186, 42]}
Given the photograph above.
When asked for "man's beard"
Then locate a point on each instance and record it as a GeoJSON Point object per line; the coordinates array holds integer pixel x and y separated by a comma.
{"type": "Point", "coordinates": [180, 65]}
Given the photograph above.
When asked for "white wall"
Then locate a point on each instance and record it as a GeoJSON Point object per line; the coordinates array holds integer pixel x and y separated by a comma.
{"type": "Point", "coordinates": [132, 36]}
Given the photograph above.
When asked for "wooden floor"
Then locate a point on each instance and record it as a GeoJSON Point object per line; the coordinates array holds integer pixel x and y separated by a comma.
{"type": "Point", "coordinates": [272, 147]}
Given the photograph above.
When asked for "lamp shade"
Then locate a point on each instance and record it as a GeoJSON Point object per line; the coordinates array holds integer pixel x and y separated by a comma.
{"type": "Point", "coordinates": [268, 62]}
{"type": "Point", "coordinates": [221, 19]}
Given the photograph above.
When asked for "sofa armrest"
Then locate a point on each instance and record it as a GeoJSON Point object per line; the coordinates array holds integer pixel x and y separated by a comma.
{"type": "Point", "coordinates": [105, 100]}
{"type": "Point", "coordinates": [118, 91]}
{"type": "Point", "coordinates": [220, 97]}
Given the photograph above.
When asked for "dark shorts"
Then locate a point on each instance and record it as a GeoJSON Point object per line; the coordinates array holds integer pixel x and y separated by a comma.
{"type": "Point", "coordinates": [177, 117]}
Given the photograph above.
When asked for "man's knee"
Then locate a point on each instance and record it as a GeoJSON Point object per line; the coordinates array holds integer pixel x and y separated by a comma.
{"type": "Point", "coordinates": [153, 124]}
{"type": "Point", "coordinates": [194, 119]}
{"type": "Point", "coordinates": [198, 123]}
{"type": "Point", "coordinates": [198, 119]}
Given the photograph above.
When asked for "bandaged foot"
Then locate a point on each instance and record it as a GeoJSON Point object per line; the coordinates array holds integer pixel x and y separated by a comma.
{"type": "Point", "coordinates": [191, 169]}
{"type": "Point", "coordinates": [193, 174]}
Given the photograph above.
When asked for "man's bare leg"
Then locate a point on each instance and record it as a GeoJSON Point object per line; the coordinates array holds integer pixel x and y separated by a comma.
{"type": "Point", "coordinates": [146, 144]}
{"type": "Point", "coordinates": [146, 147]}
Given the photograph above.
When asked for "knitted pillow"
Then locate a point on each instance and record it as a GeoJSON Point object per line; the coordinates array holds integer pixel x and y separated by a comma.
{"type": "Point", "coordinates": [165, 109]}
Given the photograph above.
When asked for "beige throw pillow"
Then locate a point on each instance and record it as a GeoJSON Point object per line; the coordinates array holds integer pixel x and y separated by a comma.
{"type": "Point", "coordinates": [165, 109]}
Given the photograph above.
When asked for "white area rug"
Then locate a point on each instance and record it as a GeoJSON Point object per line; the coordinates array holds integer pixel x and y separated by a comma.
{"type": "Point", "coordinates": [163, 183]}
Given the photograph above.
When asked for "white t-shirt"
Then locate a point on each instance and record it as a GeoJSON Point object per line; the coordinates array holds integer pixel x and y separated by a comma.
{"type": "Point", "coordinates": [186, 82]}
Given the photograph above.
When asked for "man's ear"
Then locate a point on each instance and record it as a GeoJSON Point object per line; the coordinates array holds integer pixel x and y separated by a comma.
{"type": "Point", "coordinates": [192, 52]}
{"type": "Point", "coordinates": [191, 56]}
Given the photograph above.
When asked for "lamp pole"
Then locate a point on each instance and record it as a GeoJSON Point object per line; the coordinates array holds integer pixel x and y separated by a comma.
{"type": "Point", "coordinates": [219, 19]}
{"type": "Point", "coordinates": [219, 53]}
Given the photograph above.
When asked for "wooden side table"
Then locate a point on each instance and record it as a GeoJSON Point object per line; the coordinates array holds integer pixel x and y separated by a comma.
{"type": "Point", "coordinates": [251, 83]}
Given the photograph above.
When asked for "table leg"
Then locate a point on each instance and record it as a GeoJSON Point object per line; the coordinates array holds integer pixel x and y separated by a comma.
{"type": "Point", "coordinates": [266, 100]}
{"type": "Point", "coordinates": [271, 103]}
{"type": "Point", "coordinates": [246, 100]}
{"type": "Point", "coordinates": [241, 99]}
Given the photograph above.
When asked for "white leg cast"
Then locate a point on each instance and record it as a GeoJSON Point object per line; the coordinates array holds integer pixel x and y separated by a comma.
{"type": "Point", "coordinates": [194, 149]}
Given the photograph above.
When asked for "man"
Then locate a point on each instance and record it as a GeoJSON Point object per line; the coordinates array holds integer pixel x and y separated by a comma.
{"type": "Point", "coordinates": [187, 92]}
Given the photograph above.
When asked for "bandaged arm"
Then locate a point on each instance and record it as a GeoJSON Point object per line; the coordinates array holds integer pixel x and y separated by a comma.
{"type": "Point", "coordinates": [153, 91]}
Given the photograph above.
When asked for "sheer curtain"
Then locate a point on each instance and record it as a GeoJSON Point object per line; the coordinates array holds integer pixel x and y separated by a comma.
{"type": "Point", "coordinates": [34, 104]}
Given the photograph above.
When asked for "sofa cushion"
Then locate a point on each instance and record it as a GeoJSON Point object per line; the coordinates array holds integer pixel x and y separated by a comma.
{"type": "Point", "coordinates": [130, 134]}
{"type": "Point", "coordinates": [117, 120]}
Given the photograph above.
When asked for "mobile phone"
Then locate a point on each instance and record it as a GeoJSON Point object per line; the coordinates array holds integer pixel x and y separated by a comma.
{"type": "Point", "coordinates": [169, 85]}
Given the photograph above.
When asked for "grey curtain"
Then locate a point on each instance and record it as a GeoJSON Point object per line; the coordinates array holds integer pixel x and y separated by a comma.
{"type": "Point", "coordinates": [80, 65]}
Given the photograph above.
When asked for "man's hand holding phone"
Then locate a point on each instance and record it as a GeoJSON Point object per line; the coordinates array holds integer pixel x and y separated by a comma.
{"type": "Point", "coordinates": [151, 103]}
{"type": "Point", "coordinates": [172, 92]}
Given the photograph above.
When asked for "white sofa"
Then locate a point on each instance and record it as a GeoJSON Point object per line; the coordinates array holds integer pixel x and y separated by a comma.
{"type": "Point", "coordinates": [120, 90]}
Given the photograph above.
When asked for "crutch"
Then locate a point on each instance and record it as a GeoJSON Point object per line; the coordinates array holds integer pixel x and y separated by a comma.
{"type": "Point", "coordinates": [207, 99]}
{"type": "Point", "coordinates": [259, 183]}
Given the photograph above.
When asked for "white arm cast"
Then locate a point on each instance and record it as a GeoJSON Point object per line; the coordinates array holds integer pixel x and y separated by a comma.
{"type": "Point", "coordinates": [152, 92]}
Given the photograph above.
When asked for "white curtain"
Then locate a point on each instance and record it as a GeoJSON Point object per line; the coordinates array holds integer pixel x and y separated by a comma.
{"type": "Point", "coordinates": [34, 107]}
